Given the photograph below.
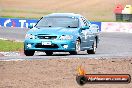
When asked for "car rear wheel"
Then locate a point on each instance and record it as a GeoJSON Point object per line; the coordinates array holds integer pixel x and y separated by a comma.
{"type": "Point", "coordinates": [49, 53]}
{"type": "Point", "coordinates": [93, 51]}
{"type": "Point", "coordinates": [29, 52]}
{"type": "Point", "coordinates": [78, 43]}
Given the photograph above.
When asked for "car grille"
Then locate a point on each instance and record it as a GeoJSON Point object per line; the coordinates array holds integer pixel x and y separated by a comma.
{"type": "Point", "coordinates": [47, 37]}
{"type": "Point", "coordinates": [39, 45]}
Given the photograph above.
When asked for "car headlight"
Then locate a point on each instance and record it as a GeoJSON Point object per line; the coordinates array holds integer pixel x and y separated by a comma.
{"type": "Point", "coordinates": [66, 37]}
{"type": "Point", "coordinates": [29, 36]}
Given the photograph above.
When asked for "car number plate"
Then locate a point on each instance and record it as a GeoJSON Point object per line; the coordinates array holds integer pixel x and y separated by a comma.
{"type": "Point", "coordinates": [46, 43]}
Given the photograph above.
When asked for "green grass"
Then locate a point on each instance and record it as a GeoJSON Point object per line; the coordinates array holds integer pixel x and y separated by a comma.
{"type": "Point", "coordinates": [7, 45]}
{"type": "Point", "coordinates": [20, 17]}
{"type": "Point", "coordinates": [25, 11]}
{"type": "Point", "coordinates": [22, 13]}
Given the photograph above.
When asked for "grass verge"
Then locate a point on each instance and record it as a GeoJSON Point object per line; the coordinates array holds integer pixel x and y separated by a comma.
{"type": "Point", "coordinates": [7, 45]}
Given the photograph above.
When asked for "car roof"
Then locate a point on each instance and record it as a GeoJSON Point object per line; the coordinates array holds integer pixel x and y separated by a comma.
{"type": "Point", "coordinates": [64, 15]}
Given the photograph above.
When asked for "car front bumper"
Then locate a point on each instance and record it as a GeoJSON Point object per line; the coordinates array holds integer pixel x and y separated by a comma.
{"type": "Point", "coordinates": [56, 45]}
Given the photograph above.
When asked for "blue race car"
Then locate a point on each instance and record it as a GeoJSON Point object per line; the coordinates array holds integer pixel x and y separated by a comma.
{"type": "Point", "coordinates": [62, 32]}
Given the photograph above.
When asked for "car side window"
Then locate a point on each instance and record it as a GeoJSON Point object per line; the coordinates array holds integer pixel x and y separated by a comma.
{"type": "Point", "coordinates": [82, 22]}
{"type": "Point", "coordinates": [85, 22]}
{"type": "Point", "coordinates": [88, 23]}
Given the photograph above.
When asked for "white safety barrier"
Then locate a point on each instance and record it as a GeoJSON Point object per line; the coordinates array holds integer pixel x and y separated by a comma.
{"type": "Point", "coordinates": [116, 27]}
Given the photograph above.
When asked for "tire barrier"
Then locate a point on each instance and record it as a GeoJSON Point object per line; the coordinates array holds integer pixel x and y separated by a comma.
{"type": "Point", "coordinates": [123, 13]}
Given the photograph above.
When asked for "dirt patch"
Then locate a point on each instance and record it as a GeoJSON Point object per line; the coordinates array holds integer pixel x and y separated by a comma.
{"type": "Point", "coordinates": [60, 73]}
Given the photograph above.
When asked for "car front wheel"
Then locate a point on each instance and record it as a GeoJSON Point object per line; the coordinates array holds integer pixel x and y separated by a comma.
{"type": "Point", "coordinates": [77, 45]}
{"type": "Point", "coordinates": [29, 52]}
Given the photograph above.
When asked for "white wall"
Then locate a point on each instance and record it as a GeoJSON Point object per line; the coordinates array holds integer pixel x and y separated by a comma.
{"type": "Point", "coordinates": [116, 27]}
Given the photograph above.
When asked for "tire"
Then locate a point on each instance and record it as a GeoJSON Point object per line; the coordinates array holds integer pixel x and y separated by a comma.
{"type": "Point", "coordinates": [29, 52]}
{"type": "Point", "coordinates": [81, 80]}
{"type": "Point", "coordinates": [94, 46]}
{"type": "Point", "coordinates": [77, 46]}
{"type": "Point", "coordinates": [49, 53]}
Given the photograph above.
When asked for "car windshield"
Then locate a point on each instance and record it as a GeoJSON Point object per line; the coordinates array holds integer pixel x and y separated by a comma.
{"type": "Point", "coordinates": [67, 22]}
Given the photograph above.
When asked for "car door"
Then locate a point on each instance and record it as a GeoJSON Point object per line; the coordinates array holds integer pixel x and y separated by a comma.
{"type": "Point", "coordinates": [84, 34]}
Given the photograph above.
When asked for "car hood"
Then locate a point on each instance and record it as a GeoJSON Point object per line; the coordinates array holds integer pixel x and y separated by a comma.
{"type": "Point", "coordinates": [54, 31]}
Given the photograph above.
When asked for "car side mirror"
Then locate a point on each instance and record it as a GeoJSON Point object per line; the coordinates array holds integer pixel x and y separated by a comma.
{"type": "Point", "coordinates": [94, 27]}
{"type": "Point", "coordinates": [30, 26]}
{"type": "Point", "coordinates": [85, 27]}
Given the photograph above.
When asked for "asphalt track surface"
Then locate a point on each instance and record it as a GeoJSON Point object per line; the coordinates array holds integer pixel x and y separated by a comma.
{"type": "Point", "coordinates": [111, 45]}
